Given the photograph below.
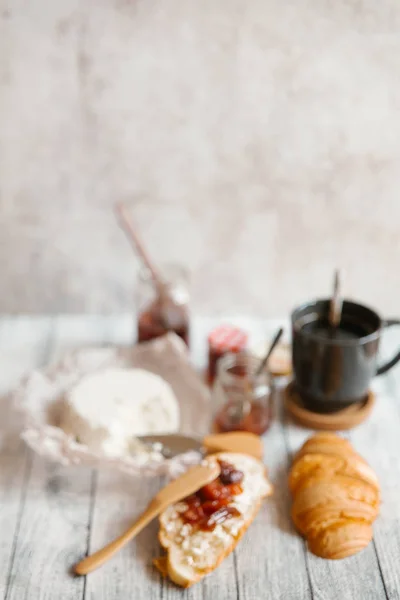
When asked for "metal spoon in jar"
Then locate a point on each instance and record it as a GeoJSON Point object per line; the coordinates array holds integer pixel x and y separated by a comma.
{"type": "Point", "coordinates": [243, 408]}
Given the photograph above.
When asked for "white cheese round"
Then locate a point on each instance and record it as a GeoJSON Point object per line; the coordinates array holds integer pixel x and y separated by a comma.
{"type": "Point", "coordinates": [106, 409]}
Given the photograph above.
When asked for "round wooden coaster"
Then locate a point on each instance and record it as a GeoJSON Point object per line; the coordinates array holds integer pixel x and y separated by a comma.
{"type": "Point", "coordinates": [347, 418]}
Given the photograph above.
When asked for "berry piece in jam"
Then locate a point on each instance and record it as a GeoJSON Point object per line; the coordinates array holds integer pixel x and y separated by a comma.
{"type": "Point", "coordinates": [229, 474]}
{"type": "Point", "coordinates": [210, 505]}
{"type": "Point", "coordinates": [213, 491]}
{"type": "Point", "coordinates": [193, 500]}
{"type": "Point", "coordinates": [234, 489]}
{"type": "Point", "coordinates": [220, 516]}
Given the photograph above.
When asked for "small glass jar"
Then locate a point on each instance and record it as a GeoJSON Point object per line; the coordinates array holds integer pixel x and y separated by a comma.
{"type": "Point", "coordinates": [158, 315]}
{"type": "Point", "coordinates": [243, 399]}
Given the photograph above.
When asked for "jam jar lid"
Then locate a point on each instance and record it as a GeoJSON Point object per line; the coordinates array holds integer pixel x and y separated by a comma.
{"type": "Point", "coordinates": [226, 338]}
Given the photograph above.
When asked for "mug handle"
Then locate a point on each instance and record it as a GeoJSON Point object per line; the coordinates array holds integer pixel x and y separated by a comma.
{"type": "Point", "coordinates": [385, 367]}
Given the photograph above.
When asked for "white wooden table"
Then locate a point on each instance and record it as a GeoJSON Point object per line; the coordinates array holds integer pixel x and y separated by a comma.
{"type": "Point", "coordinates": [51, 515]}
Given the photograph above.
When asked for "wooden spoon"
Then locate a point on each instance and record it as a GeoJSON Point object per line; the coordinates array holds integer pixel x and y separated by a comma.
{"type": "Point", "coordinates": [185, 485]}
{"type": "Point", "coordinates": [164, 301]}
{"type": "Point", "coordinates": [127, 226]}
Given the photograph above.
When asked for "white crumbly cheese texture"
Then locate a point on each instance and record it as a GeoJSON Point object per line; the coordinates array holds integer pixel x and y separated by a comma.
{"type": "Point", "coordinates": [107, 409]}
{"type": "Point", "coordinates": [196, 549]}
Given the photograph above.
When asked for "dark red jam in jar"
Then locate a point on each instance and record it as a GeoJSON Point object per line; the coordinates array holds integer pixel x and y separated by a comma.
{"type": "Point", "coordinates": [210, 505]}
{"type": "Point", "coordinates": [162, 317]}
{"type": "Point", "coordinates": [244, 400]}
{"type": "Point", "coordinates": [257, 420]}
{"type": "Point", "coordinates": [159, 315]}
{"type": "Point", "coordinates": [223, 340]}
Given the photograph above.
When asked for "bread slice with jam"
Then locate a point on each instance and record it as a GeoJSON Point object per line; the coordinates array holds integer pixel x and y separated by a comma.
{"type": "Point", "coordinates": [200, 531]}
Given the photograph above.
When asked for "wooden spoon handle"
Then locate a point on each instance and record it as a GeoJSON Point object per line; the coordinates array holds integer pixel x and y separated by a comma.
{"type": "Point", "coordinates": [236, 441]}
{"type": "Point", "coordinates": [92, 562]}
{"type": "Point", "coordinates": [133, 236]}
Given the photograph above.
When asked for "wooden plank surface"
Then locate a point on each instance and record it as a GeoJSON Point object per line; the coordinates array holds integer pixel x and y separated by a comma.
{"type": "Point", "coordinates": [54, 519]}
{"type": "Point", "coordinates": [22, 347]}
{"type": "Point", "coordinates": [378, 441]}
{"type": "Point", "coordinates": [51, 515]}
{"type": "Point", "coordinates": [263, 554]}
{"type": "Point", "coordinates": [119, 500]}
{"type": "Point", "coordinates": [356, 577]}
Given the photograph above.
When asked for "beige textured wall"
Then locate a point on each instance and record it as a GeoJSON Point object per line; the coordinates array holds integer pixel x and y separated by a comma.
{"type": "Point", "coordinates": [259, 143]}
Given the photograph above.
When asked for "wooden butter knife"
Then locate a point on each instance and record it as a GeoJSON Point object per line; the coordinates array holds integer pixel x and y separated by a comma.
{"type": "Point", "coordinates": [185, 485]}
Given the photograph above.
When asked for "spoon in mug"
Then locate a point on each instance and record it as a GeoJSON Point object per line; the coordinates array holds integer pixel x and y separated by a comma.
{"type": "Point", "coordinates": [187, 484]}
{"type": "Point", "coordinates": [336, 303]}
{"type": "Point", "coordinates": [330, 363]}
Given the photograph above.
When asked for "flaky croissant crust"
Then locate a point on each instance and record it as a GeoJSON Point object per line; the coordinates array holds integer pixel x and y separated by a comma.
{"type": "Point", "coordinates": [336, 496]}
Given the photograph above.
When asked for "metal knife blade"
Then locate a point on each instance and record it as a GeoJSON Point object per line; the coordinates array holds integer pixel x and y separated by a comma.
{"type": "Point", "coordinates": [172, 444]}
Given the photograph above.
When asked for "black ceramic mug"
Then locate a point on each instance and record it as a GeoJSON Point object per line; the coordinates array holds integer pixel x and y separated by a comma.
{"type": "Point", "coordinates": [334, 368]}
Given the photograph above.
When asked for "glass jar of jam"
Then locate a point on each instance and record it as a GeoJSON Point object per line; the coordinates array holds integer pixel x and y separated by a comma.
{"type": "Point", "coordinates": [224, 339]}
{"type": "Point", "coordinates": [157, 315]}
{"type": "Point", "coordinates": [243, 399]}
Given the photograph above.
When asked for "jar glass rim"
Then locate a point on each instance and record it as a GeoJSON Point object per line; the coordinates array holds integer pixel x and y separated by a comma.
{"type": "Point", "coordinates": [243, 358]}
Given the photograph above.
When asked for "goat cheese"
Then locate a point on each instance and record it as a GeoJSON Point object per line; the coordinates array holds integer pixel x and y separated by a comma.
{"type": "Point", "coordinates": [107, 409]}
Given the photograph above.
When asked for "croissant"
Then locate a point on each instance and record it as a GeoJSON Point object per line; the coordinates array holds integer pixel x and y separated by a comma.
{"type": "Point", "coordinates": [336, 496]}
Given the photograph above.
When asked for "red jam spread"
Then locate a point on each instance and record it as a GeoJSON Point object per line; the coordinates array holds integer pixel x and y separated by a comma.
{"type": "Point", "coordinates": [223, 340]}
{"type": "Point", "coordinates": [159, 318]}
{"type": "Point", "coordinates": [210, 505]}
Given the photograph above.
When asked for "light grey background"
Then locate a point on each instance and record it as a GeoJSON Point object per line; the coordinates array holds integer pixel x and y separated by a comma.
{"type": "Point", "coordinates": [259, 143]}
